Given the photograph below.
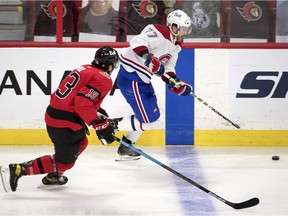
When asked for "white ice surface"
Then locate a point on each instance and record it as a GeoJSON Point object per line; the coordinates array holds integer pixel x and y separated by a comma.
{"type": "Point", "coordinates": [100, 186]}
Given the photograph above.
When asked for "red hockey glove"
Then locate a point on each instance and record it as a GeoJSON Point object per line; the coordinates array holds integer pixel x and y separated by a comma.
{"type": "Point", "coordinates": [180, 87]}
{"type": "Point", "coordinates": [104, 131]}
{"type": "Point", "coordinates": [154, 65]}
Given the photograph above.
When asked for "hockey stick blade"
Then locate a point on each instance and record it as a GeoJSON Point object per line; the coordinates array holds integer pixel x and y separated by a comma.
{"type": "Point", "coordinates": [246, 204]}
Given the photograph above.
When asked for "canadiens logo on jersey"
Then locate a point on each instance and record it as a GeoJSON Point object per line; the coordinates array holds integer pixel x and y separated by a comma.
{"type": "Point", "coordinates": [51, 9]}
{"type": "Point", "coordinates": [165, 58]}
{"type": "Point", "coordinates": [250, 11]}
{"type": "Point", "coordinates": [146, 8]}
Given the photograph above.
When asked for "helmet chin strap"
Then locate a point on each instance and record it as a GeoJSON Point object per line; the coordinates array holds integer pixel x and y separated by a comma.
{"type": "Point", "coordinates": [178, 30]}
{"type": "Point", "coordinates": [173, 36]}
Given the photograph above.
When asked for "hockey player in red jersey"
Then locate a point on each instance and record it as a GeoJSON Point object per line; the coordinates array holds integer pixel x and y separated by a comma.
{"type": "Point", "coordinates": [75, 104]}
{"type": "Point", "coordinates": [153, 52]}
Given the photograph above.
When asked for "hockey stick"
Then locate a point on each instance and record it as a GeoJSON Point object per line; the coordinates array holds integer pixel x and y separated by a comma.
{"type": "Point", "coordinates": [246, 204]}
{"type": "Point", "coordinates": [203, 102]}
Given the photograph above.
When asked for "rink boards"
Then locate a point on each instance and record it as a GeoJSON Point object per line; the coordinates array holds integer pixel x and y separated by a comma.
{"type": "Point", "coordinates": [247, 86]}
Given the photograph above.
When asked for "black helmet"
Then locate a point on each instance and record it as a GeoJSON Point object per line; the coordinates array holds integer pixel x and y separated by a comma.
{"type": "Point", "coordinates": [104, 57]}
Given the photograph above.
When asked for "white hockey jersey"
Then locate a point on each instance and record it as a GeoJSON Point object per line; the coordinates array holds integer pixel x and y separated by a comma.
{"type": "Point", "coordinates": [158, 41]}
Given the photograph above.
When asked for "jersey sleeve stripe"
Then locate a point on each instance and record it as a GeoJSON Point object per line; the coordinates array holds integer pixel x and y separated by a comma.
{"type": "Point", "coordinates": [132, 63]}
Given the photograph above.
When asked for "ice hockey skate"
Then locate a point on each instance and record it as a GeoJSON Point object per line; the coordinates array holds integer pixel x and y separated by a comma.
{"type": "Point", "coordinates": [53, 180]}
{"type": "Point", "coordinates": [11, 175]}
{"type": "Point", "coordinates": [125, 153]}
{"type": "Point", "coordinates": [16, 172]}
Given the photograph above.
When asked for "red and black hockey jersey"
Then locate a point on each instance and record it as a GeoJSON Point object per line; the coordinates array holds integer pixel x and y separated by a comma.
{"type": "Point", "coordinates": [78, 98]}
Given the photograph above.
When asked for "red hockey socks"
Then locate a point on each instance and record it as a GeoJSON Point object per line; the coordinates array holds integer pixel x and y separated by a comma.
{"type": "Point", "coordinates": [40, 165]}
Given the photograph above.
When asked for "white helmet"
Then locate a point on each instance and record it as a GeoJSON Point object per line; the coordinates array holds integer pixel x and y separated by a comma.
{"type": "Point", "coordinates": [179, 18]}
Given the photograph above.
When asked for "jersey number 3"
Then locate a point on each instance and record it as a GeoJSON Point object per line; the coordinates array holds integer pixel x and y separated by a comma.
{"type": "Point", "coordinates": [69, 85]}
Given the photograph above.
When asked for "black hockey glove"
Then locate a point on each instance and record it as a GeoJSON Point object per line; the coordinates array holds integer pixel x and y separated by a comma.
{"type": "Point", "coordinates": [104, 131]}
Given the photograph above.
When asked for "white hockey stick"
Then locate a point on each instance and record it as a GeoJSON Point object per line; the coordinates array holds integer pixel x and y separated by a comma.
{"type": "Point", "coordinates": [203, 102]}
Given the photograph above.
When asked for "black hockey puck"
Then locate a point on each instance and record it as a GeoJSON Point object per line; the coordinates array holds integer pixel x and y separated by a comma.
{"type": "Point", "coordinates": [275, 157]}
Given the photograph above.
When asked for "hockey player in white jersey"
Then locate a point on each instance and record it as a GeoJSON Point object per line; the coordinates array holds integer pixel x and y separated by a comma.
{"type": "Point", "coordinates": [151, 53]}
